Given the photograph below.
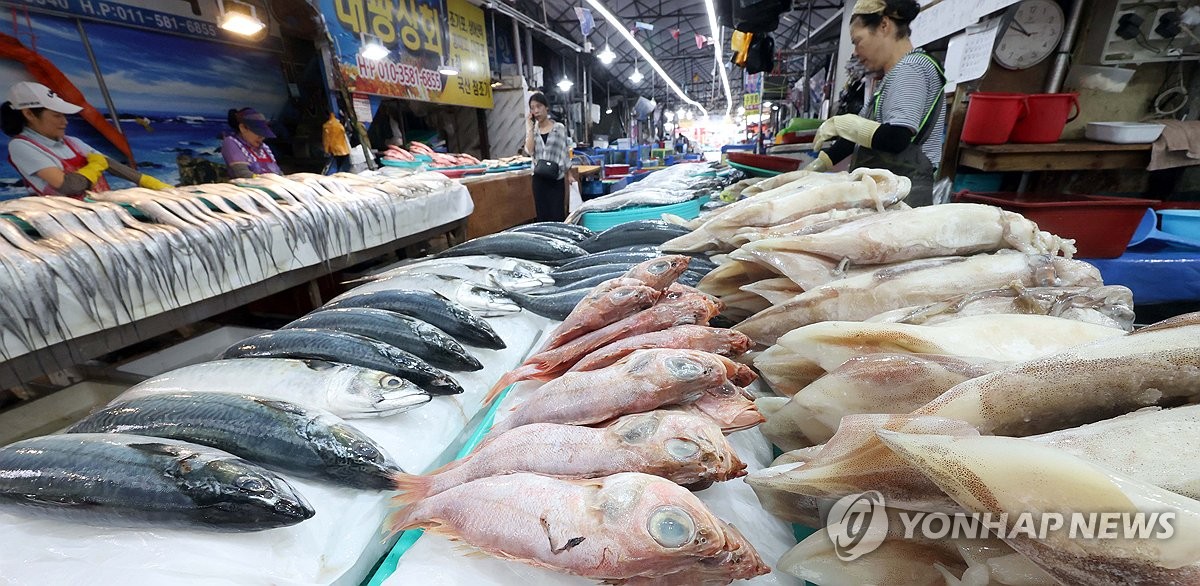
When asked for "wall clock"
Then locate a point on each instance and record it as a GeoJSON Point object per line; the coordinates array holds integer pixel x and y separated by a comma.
{"type": "Point", "coordinates": [1030, 34]}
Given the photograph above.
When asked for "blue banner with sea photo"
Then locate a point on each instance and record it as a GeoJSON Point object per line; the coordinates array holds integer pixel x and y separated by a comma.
{"type": "Point", "coordinates": [172, 93]}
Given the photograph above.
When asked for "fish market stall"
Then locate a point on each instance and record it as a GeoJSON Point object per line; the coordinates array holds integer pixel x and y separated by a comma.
{"type": "Point", "coordinates": [137, 263]}
{"type": "Point", "coordinates": [600, 389]}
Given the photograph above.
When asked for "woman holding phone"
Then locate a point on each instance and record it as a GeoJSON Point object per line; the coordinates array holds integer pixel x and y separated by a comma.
{"type": "Point", "coordinates": [550, 147]}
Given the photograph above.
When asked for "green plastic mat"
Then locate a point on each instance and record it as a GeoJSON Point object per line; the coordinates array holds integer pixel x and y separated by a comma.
{"type": "Point", "coordinates": [409, 538]}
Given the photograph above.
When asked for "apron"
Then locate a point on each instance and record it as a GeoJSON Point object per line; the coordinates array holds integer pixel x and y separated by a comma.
{"type": "Point", "coordinates": [910, 162]}
{"type": "Point", "coordinates": [70, 165]}
{"type": "Point", "coordinates": [260, 160]}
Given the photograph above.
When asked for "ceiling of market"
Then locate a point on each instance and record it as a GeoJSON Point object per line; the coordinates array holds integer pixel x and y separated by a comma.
{"type": "Point", "coordinates": [690, 67]}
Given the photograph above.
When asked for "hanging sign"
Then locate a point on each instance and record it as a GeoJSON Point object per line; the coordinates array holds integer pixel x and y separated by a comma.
{"type": "Point", "coordinates": [421, 36]}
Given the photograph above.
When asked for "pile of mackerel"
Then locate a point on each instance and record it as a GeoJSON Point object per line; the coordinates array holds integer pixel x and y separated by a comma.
{"type": "Point", "coordinates": [74, 267]}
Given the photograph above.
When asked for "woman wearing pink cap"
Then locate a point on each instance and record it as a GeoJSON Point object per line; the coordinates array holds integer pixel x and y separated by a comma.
{"type": "Point", "coordinates": [244, 150]}
{"type": "Point", "coordinates": [50, 162]}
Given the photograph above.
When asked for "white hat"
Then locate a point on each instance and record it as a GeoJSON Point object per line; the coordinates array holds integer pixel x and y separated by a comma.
{"type": "Point", "coordinates": [28, 94]}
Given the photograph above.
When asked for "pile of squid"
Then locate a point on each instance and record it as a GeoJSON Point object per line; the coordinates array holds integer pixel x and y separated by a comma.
{"type": "Point", "coordinates": [952, 359]}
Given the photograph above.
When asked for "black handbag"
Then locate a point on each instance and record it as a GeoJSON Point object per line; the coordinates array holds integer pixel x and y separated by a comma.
{"type": "Point", "coordinates": [546, 169]}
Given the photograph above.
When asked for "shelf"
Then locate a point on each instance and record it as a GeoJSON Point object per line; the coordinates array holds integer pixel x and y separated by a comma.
{"type": "Point", "coordinates": [1073, 155]}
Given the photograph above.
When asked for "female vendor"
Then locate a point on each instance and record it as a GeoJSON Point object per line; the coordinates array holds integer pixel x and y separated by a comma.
{"type": "Point", "coordinates": [50, 162]}
{"type": "Point", "coordinates": [902, 127]}
{"type": "Point", "coordinates": [244, 149]}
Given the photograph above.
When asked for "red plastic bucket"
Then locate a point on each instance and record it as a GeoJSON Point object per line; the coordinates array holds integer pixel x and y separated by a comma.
{"type": "Point", "coordinates": [1048, 115]}
{"type": "Point", "coordinates": [992, 116]}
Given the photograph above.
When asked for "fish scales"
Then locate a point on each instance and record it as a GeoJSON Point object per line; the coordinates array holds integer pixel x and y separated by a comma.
{"type": "Point", "coordinates": [277, 434]}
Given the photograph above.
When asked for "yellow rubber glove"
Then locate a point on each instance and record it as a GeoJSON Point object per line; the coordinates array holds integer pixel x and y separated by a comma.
{"type": "Point", "coordinates": [151, 183]}
{"type": "Point", "coordinates": [820, 164]}
{"type": "Point", "coordinates": [97, 163]}
{"type": "Point", "coordinates": [848, 126]}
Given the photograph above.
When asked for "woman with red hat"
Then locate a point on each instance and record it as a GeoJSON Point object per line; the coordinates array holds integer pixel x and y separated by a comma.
{"type": "Point", "coordinates": [50, 162]}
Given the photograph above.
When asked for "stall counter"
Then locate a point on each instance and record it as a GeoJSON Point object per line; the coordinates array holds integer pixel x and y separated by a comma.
{"type": "Point", "coordinates": [502, 200]}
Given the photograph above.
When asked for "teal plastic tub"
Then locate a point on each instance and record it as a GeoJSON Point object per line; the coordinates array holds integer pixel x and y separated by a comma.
{"type": "Point", "coordinates": [402, 164]}
{"type": "Point", "coordinates": [597, 221]}
{"type": "Point", "coordinates": [1184, 223]}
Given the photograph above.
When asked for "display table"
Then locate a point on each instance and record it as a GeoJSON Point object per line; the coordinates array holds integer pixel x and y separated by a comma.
{"type": "Point", "coordinates": [1071, 155]}
{"type": "Point", "coordinates": [502, 200]}
{"type": "Point", "coordinates": [415, 219]}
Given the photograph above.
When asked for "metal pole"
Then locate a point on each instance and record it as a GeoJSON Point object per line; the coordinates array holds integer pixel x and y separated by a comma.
{"type": "Point", "coordinates": [112, 110]}
{"type": "Point", "coordinates": [762, 82]}
{"type": "Point", "coordinates": [529, 54]}
{"type": "Point", "coordinates": [587, 103]}
{"type": "Point", "coordinates": [516, 35]}
{"type": "Point", "coordinates": [804, 85]}
{"type": "Point", "coordinates": [1062, 59]}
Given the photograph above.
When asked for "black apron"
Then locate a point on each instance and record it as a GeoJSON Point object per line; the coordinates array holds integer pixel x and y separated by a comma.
{"type": "Point", "coordinates": [910, 162]}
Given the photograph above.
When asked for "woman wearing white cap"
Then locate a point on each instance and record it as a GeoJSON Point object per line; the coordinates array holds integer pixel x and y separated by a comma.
{"type": "Point", "coordinates": [50, 162]}
{"type": "Point", "coordinates": [901, 127]}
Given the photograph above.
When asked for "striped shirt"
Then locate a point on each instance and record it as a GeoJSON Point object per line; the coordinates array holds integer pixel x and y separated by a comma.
{"type": "Point", "coordinates": [556, 148]}
{"type": "Point", "coordinates": [909, 91]}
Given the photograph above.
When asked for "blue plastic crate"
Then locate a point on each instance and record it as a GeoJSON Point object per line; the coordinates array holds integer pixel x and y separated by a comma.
{"type": "Point", "coordinates": [737, 147]}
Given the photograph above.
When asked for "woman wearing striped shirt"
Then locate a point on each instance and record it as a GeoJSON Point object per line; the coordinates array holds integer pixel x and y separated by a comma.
{"type": "Point", "coordinates": [903, 126]}
{"type": "Point", "coordinates": [547, 140]}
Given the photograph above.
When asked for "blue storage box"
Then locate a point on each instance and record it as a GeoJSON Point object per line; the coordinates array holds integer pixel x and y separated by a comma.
{"type": "Point", "coordinates": [977, 182]}
{"type": "Point", "coordinates": [597, 221]}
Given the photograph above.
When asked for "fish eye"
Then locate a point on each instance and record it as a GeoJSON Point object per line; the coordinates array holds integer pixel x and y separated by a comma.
{"type": "Point", "coordinates": [250, 484]}
{"type": "Point", "coordinates": [660, 267]}
{"type": "Point", "coordinates": [682, 449]}
{"type": "Point", "coordinates": [364, 449]}
{"type": "Point", "coordinates": [392, 382]}
{"type": "Point", "coordinates": [671, 527]}
{"type": "Point", "coordinates": [639, 431]}
{"type": "Point", "coordinates": [685, 368]}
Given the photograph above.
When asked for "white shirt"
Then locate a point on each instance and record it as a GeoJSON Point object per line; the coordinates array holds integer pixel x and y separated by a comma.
{"type": "Point", "coordinates": [29, 159]}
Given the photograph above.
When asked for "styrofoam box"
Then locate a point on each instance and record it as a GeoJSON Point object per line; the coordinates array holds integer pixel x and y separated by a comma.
{"type": "Point", "coordinates": [55, 411]}
{"type": "Point", "coordinates": [202, 348]}
{"type": "Point", "coordinates": [1124, 132]}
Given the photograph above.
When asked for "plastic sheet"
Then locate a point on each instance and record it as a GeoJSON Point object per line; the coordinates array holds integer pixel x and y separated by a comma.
{"type": "Point", "coordinates": [1165, 276]}
{"type": "Point", "coordinates": [341, 544]}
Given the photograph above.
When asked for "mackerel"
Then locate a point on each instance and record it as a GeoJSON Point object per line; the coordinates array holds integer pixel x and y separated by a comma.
{"type": "Point", "coordinates": [346, 348]}
{"type": "Point", "coordinates": [637, 232]}
{"type": "Point", "coordinates": [283, 436]}
{"type": "Point", "coordinates": [348, 391]}
{"type": "Point", "coordinates": [404, 332]}
{"type": "Point", "coordinates": [573, 232]}
{"type": "Point", "coordinates": [118, 479]}
{"type": "Point", "coordinates": [522, 245]}
{"type": "Point", "coordinates": [433, 308]}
